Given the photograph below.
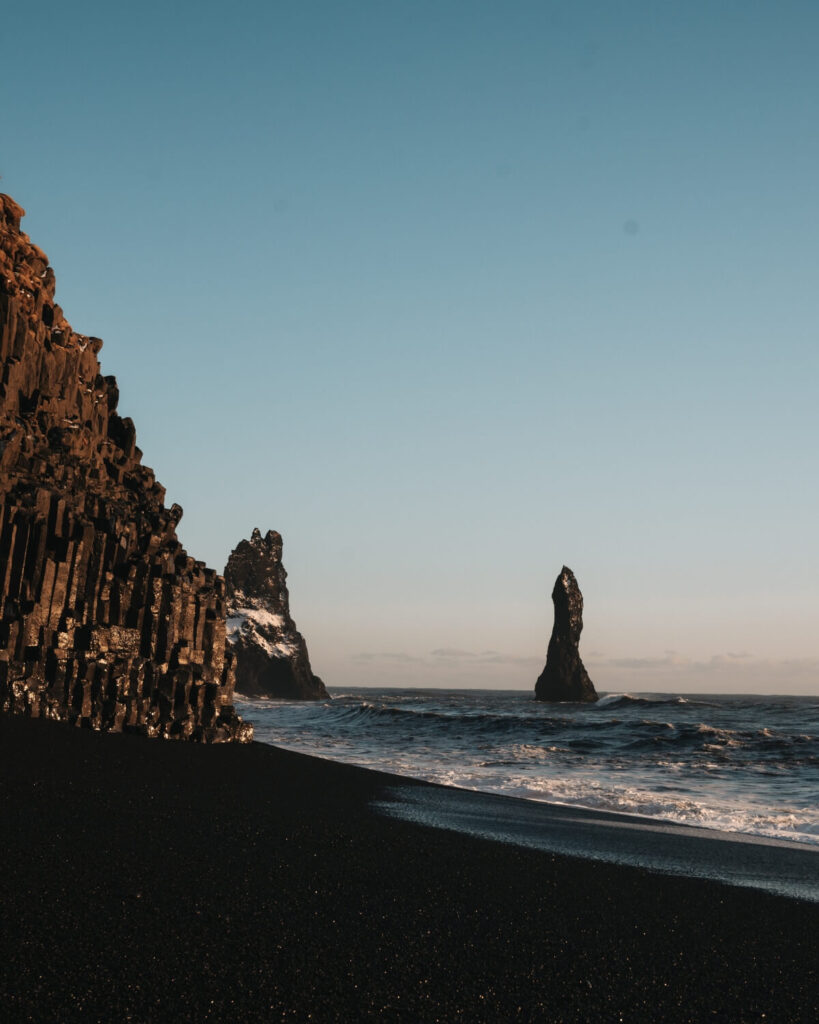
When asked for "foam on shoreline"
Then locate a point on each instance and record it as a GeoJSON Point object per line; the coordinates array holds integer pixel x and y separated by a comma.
{"type": "Point", "coordinates": [773, 865]}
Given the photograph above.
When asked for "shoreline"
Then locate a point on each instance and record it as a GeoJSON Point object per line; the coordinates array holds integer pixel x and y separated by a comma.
{"type": "Point", "coordinates": [736, 766]}
{"type": "Point", "coordinates": [784, 867]}
{"type": "Point", "coordinates": [144, 878]}
{"type": "Point", "coordinates": [781, 866]}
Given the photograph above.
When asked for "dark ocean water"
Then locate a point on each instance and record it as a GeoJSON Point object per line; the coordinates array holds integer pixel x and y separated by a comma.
{"type": "Point", "coordinates": [739, 764]}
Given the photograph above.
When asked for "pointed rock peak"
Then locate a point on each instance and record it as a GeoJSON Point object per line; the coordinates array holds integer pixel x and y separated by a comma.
{"type": "Point", "coordinates": [567, 582]}
{"type": "Point", "coordinates": [270, 543]}
{"type": "Point", "coordinates": [255, 568]}
{"type": "Point", "coordinates": [565, 677]}
{"type": "Point", "coordinates": [568, 602]}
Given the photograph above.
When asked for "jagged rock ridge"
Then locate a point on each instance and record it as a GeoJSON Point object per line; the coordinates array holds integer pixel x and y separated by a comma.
{"type": "Point", "coordinates": [565, 677]}
{"type": "Point", "coordinates": [271, 654]}
{"type": "Point", "coordinates": [105, 620]}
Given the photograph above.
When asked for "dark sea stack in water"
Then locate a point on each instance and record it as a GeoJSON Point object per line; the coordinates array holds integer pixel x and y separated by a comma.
{"type": "Point", "coordinates": [105, 621]}
{"type": "Point", "coordinates": [565, 678]}
{"type": "Point", "coordinates": [271, 655]}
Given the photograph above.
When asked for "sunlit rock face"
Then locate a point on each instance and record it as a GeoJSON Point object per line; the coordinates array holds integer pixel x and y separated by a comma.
{"type": "Point", "coordinates": [105, 621]}
{"type": "Point", "coordinates": [565, 677]}
{"type": "Point", "coordinates": [271, 654]}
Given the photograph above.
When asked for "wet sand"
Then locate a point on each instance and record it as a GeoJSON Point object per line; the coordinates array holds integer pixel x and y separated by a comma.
{"type": "Point", "coordinates": [146, 880]}
{"type": "Point", "coordinates": [773, 865]}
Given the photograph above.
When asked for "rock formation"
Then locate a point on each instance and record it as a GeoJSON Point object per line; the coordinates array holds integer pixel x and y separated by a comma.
{"type": "Point", "coordinates": [271, 655]}
{"type": "Point", "coordinates": [105, 621]}
{"type": "Point", "coordinates": [565, 678]}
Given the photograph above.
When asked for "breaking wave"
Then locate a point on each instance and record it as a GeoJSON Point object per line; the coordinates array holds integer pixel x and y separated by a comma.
{"type": "Point", "coordinates": [746, 764]}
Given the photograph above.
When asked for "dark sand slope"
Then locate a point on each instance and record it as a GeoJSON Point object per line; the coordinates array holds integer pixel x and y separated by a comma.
{"type": "Point", "coordinates": [144, 880]}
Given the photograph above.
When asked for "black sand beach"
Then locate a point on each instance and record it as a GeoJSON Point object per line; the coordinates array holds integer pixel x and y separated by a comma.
{"type": "Point", "coordinates": [147, 880]}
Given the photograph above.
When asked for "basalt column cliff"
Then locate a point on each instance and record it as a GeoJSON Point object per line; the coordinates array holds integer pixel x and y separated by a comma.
{"type": "Point", "coordinates": [565, 676]}
{"type": "Point", "coordinates": [271, 655]}
{"type": "Point", "coordinates": [105, 620]}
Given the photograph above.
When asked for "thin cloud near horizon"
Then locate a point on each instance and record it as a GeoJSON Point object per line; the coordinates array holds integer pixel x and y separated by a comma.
{"type": "Point", "coordinates": [683, 670]}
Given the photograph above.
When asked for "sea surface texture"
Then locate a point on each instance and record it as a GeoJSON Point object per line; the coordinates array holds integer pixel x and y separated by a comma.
{"type": "Point", "coordinates": [745, 764]}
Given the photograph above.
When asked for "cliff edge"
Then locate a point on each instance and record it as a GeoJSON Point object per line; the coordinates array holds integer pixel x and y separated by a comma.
{"type": "Point", "coordinates": [105, 621]}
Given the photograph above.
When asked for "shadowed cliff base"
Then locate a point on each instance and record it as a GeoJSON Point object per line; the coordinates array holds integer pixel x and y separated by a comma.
{"type": "Point", "coordinates": [565, 677]}
{"type": "Point", "coordinates": [270, 891]}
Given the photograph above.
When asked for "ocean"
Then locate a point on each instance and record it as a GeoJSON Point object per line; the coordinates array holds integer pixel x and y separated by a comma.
{"type": "Point", "coordinates": [740, 764]}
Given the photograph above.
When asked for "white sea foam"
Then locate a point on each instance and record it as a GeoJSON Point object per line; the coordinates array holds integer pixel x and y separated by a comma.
{"type": "Point", "coordinates": [738, 764]}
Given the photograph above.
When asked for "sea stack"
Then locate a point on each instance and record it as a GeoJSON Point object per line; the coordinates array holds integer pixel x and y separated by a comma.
{"type": "Point", "coordinates": [565, 678]}
{"type": "Point", "coordinates": [271, 654]}
{"type": "Point", "coordinates": [105, 621]}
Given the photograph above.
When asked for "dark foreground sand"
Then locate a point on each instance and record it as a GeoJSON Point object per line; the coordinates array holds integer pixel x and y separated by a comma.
{"type": "Point", "coordinates": [146, 881]}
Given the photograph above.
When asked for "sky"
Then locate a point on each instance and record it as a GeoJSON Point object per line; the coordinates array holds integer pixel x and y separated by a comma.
{"type": "Point", "coordinates": [452, 294]}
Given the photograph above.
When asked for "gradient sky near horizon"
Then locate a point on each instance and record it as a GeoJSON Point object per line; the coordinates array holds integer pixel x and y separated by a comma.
{"type": "Point", "coordinates": [451, 294]}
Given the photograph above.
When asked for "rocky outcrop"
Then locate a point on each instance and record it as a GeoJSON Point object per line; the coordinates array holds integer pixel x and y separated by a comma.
{"type": "Point", "coordinates": [271, 655]}
{"type": "Point", "coordinates": [105, 620]}
{"type": "Point", "coordinates": [565, 677]}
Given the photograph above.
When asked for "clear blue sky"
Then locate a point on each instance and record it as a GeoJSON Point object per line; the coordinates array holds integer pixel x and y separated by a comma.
{"type": "Point", "coordinates": [451, 294]}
